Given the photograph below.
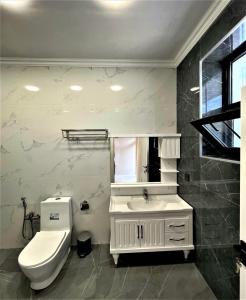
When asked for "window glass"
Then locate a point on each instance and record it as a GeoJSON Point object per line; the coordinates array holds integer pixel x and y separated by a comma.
{"type": "Point", "coordinates": [239, 36]}
{"type": "Point", "coordinates": [211, 86]}
{"type": "Point", "coordinates": [237, 129]}
{"type": "Point", "coordinates": [238, 77]}
{"type": "Point", "coordinates": [226, 132]}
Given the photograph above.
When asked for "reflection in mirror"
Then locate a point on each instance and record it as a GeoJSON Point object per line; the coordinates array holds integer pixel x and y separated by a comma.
{"type": "Point", "coordinates": [135, 159]}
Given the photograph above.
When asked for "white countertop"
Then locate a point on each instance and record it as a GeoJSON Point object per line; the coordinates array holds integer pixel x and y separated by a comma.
{"type": "Point", "coordinates": [155, 204]}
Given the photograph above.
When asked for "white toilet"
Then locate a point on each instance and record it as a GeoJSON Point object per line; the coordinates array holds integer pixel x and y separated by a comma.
{"type": "Point", "coordinates": [42, 259]}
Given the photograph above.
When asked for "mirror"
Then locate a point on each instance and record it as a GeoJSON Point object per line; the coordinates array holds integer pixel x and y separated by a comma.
{"type": "Point", "coordinates": [135, 159]}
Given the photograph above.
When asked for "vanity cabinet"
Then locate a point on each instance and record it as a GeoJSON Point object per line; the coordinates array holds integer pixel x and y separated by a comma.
{"type": "Point", "coordinates": [153, 232]}
{"type": "Point", "coordinates": [139, 233]}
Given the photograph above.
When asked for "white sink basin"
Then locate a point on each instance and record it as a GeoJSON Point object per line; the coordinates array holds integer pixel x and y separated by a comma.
{"type": "Point", "coordinates": [155, 203]}
{"type": "Point", "coordinates": [140, 204]}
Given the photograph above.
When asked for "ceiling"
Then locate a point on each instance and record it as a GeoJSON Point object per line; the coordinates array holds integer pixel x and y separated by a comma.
{"type": "Point", "coordinates": [99, 29]}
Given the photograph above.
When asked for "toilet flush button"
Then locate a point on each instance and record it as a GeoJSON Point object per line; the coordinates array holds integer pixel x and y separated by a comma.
{"type": "Point", "coordinates": [54, 216]}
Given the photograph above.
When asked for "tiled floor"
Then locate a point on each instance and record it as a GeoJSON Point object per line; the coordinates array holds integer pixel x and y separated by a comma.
{"type": "Point", "coordinates": [138, 276]}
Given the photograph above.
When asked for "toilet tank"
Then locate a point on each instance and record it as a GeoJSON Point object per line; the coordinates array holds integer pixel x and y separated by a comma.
{"type": "Point", "coordinates": [56, 214]}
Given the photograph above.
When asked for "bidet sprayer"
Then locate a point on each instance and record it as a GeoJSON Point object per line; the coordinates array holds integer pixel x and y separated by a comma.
{"type": "Point", "coordinates": [23, 199]}
{"type": "Point", "coordinates": [31, 217]}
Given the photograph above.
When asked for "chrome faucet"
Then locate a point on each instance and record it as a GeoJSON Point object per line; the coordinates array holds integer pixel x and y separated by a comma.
{"type": "Point", "coordinates": [145, 194]}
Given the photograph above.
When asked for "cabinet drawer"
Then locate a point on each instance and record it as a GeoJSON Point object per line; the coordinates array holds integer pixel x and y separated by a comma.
{"type": "Point", "coordinates": [176, 225]}
{"type": "Point", "coordinates": [176, 239]}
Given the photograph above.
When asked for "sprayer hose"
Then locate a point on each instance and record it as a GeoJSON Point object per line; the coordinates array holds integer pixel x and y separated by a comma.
{"type": "Point", "coordinates": [24, 224]}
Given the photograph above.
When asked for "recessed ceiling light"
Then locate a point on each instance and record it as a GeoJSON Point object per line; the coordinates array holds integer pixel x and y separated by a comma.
{"type": "Point", "coordinates": [76, 88]}
{"type": "Point", "coordinates": [32, 88]}
{"type": "Point", "coordinates": [14, 3]}
{"type": "Point", "coordinates": [116, 88]}
{"type": "Point", "coordinates": [115, 4]}
{"type": "Point", "coordinates": [195, 89]}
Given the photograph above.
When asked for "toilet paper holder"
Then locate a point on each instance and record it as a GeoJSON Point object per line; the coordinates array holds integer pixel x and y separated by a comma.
{"type": "Point", "coordinates": [84, 205]}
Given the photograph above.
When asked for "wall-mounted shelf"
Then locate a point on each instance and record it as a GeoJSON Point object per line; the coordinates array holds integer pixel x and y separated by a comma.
{"type": "Point", "coordinates": [169, 152]}
{"type": "Point", "coordinates": [169, 147]}
{"type": "Point", "coordinates": [143, 185]}
{"type": "Point", "coordinates": [168, 157]}
{"type": "Point", "coordinates": [168, 171]}
{"type": "Point", "coordinates": [84, 134]}
{"type": "Point", "coordinates": [133, 135]}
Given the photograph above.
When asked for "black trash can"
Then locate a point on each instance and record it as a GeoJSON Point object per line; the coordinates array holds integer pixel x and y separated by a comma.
{"type": "Point", "coordinates": [84, 243]}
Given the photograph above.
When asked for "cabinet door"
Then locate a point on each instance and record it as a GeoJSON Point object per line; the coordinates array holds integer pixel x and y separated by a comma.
{"type": "Point", "coordinates": [127, 234]}
{"type": "Point", "coordinates": [152, 233]}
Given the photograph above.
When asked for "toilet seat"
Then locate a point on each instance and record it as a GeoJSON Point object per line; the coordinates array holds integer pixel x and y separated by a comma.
{"type": "Point", "coordinates": [41, 248]}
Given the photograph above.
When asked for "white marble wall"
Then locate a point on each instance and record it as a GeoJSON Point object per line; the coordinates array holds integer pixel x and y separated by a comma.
{"type": "Point", "coordinates": [36, 162]}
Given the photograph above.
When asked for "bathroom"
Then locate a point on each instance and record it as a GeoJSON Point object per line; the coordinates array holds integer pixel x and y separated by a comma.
{"type": "Point", "coordinates": [125, 70]}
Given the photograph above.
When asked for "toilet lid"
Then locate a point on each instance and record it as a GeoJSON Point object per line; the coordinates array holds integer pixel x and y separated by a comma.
{"type": "Point", "coordinates": [41, 248]}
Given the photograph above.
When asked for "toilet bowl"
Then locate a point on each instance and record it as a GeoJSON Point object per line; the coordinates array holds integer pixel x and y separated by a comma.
{"type": "Point", "coordinates": [42, 259]}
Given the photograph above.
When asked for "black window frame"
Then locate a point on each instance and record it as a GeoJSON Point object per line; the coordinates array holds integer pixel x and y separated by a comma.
{"type": "Point", "coordinates": [228, 110]}
{"type": "Point", "coordinates": [225, 113]}
{"type": "Point", "coordinates": [226, 65]}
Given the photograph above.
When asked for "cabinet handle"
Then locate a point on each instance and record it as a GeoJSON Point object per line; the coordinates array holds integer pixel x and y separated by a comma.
{"type": "Point", "coordinates": [177, 240]}
{"type": "Point", "coordinates": [182, 225]}
{"type": "Point", "coordinates": [141, 231]}
{"type": "Point", "coordinates": [138, 231]}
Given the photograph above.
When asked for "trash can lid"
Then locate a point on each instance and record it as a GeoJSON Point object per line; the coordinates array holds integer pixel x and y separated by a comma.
{"type": "Point", "coordinates": [84, 235]}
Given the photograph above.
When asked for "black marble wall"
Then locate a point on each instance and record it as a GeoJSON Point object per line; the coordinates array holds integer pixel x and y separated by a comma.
{"type": "Point", "coordinates": [210, 186]}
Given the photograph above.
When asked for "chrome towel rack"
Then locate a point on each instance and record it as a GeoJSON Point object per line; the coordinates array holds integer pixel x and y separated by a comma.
{"type": "Point", "coordinates": [84, 134]}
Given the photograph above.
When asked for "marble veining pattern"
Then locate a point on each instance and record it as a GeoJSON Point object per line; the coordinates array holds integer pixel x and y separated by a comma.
{"type": "Point", "coordinates": [144, 276]}
{"type": "Point", "coordinates": [37, 163]}
{"type": "Point", "coordinates": [213, 186]}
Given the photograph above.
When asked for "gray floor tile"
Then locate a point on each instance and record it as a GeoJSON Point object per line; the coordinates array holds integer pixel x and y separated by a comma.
{"type": "Point", "coordinates": [186, 282]}
{"type": "Point", "coordinates": [70, 284]}
{"type": "Point", "coordinates": [155, 282]}
{"type": "Point", "coordinates": [3, 255]}
{"type": "Point", "coordinates": [96, 277]}
{"type": "Point", "coordinates": [14, 285]}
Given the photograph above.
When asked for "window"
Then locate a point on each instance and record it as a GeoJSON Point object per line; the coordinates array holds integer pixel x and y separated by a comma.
{"type": "Point", "coordinates": [221, 130]}
{"type": "Point", "coordinates": [223, 76]}
{"type": "Point", "coordinates": [224, 133]}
